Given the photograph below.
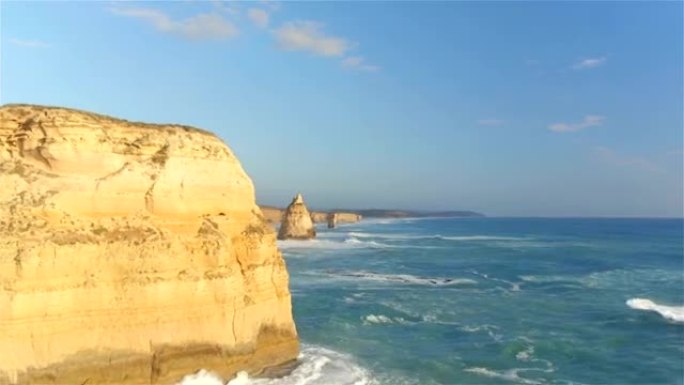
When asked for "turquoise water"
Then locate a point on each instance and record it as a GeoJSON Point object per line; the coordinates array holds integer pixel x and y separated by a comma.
{"type": "Point", "coordinates": [489, 301]}
{"type": "Point", "coordinates": [493, 301]}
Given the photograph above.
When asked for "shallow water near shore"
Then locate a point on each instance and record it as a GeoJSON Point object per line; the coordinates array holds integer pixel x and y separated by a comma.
{"type": "Point", "coordinates": [489, 301]}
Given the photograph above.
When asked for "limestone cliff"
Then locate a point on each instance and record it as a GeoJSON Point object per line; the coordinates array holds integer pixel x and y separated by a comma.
{"type": "Point", "coordinates": [131, 254]}
{"type": "Point", "coordinates": [297, 223]}
{"type": "Point", "coordinates": [273, 215]}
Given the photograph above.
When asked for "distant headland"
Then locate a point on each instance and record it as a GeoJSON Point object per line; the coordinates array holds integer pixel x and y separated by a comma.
{"type": "Point", "coordinates": [274, 214]}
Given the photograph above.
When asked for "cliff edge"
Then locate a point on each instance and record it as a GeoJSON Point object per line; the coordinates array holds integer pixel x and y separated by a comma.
{"type": "Point", "coordinates": [131, 253]}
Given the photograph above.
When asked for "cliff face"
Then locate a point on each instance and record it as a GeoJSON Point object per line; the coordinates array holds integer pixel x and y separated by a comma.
{"type": "Point", "coordinates": [131, 254]}
{"type": "Point", "coordinates": [272, 214]}
{"type": "Point", "coordinates": [297, 223]}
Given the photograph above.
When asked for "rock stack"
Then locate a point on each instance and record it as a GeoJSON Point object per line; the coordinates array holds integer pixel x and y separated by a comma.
{"type": "Point", "coordinates": [332, 220]}
{"type": "Point", "coordinates": [297, 223]}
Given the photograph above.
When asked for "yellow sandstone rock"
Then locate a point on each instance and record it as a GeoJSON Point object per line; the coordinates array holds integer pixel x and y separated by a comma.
{"type": "Point", "coordinates": [131, 253]}
{"type": "Point", "coordinates": [297, 223]}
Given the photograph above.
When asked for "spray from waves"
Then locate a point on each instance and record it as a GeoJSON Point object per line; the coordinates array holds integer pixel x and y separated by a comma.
{"type": "Point", "coordinates": [672, 313]}
{"type": "Point", "coordinates": [202, 377]}
{"type": "Point", "coordinates": [317, 365]}
{"type": "Point", "coordinates": [403, 279]}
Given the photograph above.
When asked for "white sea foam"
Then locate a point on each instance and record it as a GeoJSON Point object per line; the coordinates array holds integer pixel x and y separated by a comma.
{"type": "Point", "coordinates": [382, 319]}
{"type": "Point", "coordinates": [525, 355]}
{"type": "Point", "coordinates": [515, 286]}
{"type": "Point", "coordinates": [317, 365]}
{"type": "Point", "coordinates": [506, 375]}
{"type": "Point", "coordinates": [489, 329]}
{"type": "Point", "coordinates": [336, 243]}
{"type": "Point", "coordinates": [436, 236]}
{"type": "Point", "coordinates": [202, 377]}
{"type": "Point", "coordinates": [371, 244]}
{"type": "Point", "coordinates": [672, 313]}
{"type": "Point", "coordinates": [547, 278]}
{"type": "Point", "coordinates": [478, 328]}
{"type": "Point", "coordinates": [404, 279]}
{"type": "Point", "coordinates": [293, 244]}
{"type": "Point", "coordinates": [513, 375]}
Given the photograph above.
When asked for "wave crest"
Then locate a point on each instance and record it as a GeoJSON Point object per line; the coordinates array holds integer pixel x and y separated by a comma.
{"type": "Point", "coordinates": [317, 365]}
{"type": "Point", "coordinates": [672, 313]}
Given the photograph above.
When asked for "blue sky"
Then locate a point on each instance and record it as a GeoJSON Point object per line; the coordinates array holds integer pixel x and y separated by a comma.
{"type": "Point", "coordinates": [508, 108]}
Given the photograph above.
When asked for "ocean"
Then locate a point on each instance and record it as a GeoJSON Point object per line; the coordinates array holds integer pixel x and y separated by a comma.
{"type": "Point", "coordinates": [487, 301]}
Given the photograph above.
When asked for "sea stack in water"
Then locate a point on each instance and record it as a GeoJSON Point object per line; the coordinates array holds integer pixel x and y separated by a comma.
{"type": "Point", "coordinates": [332, 220]}
{"type": "Point", "coordinates": [131, 253]}
{"type": "Point", "coordinates": [297, 223]}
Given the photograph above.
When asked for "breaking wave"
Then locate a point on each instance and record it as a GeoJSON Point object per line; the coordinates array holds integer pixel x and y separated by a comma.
{"type": "Point", "coordinates": [382, 319]}
{"type": "Point", "coordinates": [672, 313]}
{"type": "Point", "coordinates": [317, 365]}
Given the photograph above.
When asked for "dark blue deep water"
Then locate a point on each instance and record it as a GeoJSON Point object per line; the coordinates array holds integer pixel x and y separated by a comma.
{"type": "Point", "coordinates": [490, 301]}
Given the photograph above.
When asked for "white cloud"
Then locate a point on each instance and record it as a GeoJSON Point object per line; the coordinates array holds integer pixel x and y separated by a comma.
{"type": "Point", "coordinates": [308, 36]}
{"type": "Point", "coordinates": [490, 122]}
{"type": "Point", "coordinates": [29, 43]}
{"type": "Point", "coordinates": [613, 158]}
{"type": "Point", "coordinates": [201, 26]}
{"type": "Point", "coordinates": [358, 63]}
{"type": "Point", "coordinates": [589, 63]}
{"type": "Point", "coordinates": [589, 121]}
{"type": "Point", "coordinates": [258, 16]}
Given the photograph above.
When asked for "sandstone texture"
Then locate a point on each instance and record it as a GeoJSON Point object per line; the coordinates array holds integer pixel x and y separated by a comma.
{"type": "Point", "coordinates": [131, 253]}
{"type": "Point", "coordinates": [273, 215]}
{"type": "Point", "coordinates": [297, 223]}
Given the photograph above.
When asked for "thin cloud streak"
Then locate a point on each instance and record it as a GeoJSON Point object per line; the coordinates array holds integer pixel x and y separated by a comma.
{"type": "Point", "coordinates": [204, 26]}
{"type": "Point", "coordinates": [589, 121]}
{"type": "Point", "coordinates": [308, 36]}
{"type": "Point", "coordinates": [29, 43]}
{"type": "Point", "coordinates": [611, 157]}
{"type": "Point", "coordinates": [359, 63]}
{"type": "Point", "coordinates": [590, 63]}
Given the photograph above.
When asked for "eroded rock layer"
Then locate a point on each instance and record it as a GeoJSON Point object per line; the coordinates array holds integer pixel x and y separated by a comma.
{"type": "Point", "coordinates": [297, 223]}
{"type": "Point", "coordinates": [131, 254]}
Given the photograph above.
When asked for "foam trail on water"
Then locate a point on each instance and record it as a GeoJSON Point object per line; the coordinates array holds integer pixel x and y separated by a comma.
{"type": "Point", "coordinates": [672, 313]}
{"type": "Point", "coordinates": [437, 236]}
{"type": "Point", "coordinates": [404, 279]}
